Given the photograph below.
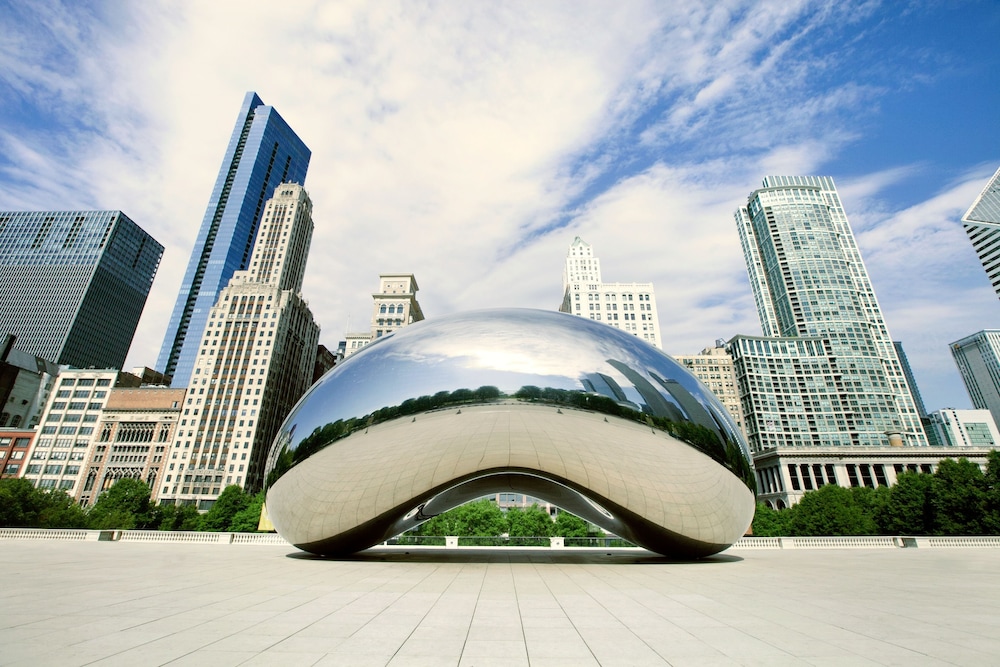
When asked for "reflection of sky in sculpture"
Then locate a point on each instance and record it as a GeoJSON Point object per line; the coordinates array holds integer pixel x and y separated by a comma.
{"type": "Point", "coordinates": [508, 349]}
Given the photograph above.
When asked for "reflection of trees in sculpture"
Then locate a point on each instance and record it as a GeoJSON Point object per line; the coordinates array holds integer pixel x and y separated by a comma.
{"type": "Point", "coordinates": [710, 442]}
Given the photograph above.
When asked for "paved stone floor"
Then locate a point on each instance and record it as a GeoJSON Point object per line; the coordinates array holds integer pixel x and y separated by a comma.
{"type": "Point", "coordinates": [94, 603]}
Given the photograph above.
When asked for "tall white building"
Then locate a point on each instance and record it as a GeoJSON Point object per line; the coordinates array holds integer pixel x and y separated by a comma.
{"type": "Point", "coordinates": [826, 372]}
{"type": "Point", "coordinates": [982, 224]}
{"type": "Point", "coordinates": [978, 360]}
{"type": "Point", "coordinates": [394, 306]}
{"type": "Point", "coordinates": [255, 360]}
{"type": "Point", "coordinates": [628, 306]}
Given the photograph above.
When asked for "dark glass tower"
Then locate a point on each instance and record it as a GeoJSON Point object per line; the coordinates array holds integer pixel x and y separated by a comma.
{"type": "Point", "coordinates": [263, 152]}
{"type": "Point", "coordinates": [73, 284]}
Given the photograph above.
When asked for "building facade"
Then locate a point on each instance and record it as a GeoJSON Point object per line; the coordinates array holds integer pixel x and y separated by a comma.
{"type": "Point", "coordinates": [714, 367]}
{"type": "Point", "coordinates": [978, 360]}
{"type": "Point", "coordinates": [826, 372]}
{"type": "Point", "coordinates": [394, 306]}
{"type": "Point", "coordinates": [911, 379]}
{"type": "Point", "coordinates": [67, 431]}
{"type": "Point", "coordinates": [73, 284]}
{"type": "Point", "coordinates": [627, 306]}
{"type": "Point", "coordinates": [15, 444]}
{"type": "Point", "coordinates": [133, 434]}
{"type": "Point", "coordinates": [982, 225]}
{"type": "Point", "coordinates": [962, 428]}
{"type": "Point", "coordinates": [785, 474]}
{"type": "Point", "coordinates": [263, 152]}
{"type": "Point", "coordinates": [255, 360]}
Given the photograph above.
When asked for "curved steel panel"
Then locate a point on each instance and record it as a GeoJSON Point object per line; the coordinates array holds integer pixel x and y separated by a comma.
{"type": "Point", "coordinates": [342, 473]}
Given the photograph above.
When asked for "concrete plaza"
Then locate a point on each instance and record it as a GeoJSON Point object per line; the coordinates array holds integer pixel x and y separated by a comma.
{"type": "Point", "coordinates": [100, 603]}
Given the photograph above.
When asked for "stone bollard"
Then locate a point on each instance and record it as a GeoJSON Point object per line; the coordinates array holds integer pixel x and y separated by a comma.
{"type": "Point", "coordinates": [557, 542]}
{"type": "Point", "coordinates": [451, 542]}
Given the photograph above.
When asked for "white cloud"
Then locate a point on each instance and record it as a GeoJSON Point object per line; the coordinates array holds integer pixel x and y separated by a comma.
{"type": "Point", "coordinates": [467, 143]}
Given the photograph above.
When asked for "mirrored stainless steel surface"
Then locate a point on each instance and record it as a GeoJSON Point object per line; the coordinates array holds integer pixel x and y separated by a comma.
{"type": "Point", "coordinates": [544, 384]}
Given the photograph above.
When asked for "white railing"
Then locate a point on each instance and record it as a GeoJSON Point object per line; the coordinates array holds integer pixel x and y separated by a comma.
{"type": "Point", "coordinates": [273, 539]}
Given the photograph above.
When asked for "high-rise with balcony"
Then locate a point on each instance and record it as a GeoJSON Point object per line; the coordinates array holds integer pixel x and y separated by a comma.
{"type": "Point", "coordinates": [982, 224]}
{"type": "Point", "coordinates": [254, 361]}
{"type": "Point", "coordinates": [263, 152]}
{"type": "Point", "coordinates": [73, 284]}
{"type": "Point", "coordinates": [826, 371]}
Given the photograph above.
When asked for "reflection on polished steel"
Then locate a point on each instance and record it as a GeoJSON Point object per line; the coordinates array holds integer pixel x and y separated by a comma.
{"type": "Point", "coordinates": [558, 407]}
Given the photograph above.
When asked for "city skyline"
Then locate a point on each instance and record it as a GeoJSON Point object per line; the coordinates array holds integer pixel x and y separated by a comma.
{"type": "Point", "coordinates": [469, 145]}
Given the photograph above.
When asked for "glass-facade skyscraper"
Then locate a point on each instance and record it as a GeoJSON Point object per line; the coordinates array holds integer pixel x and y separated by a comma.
{"type": "Point", "coordinates": [982, 224]}
{"type": "Point", "coordinates": [73, 284]}
{"type": "Point", "coordinates": [826, 371]}
{"type": "Point", "coordinates": [263, 152]}
{"type": "Point", "coordinates": [978, 360]}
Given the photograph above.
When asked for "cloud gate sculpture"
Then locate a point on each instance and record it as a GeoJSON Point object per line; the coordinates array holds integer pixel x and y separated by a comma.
{"type": "Point", "coordinates": [554, 406]}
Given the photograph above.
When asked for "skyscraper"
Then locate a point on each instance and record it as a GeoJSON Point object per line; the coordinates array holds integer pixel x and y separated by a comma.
{"type": "Point", "coordinates": [982, 224]}
{"type": "Point", "coordinates": [263, 152]}
{"type": "Point", "coordinates": [826, 371]}
{"type": "Point", "coordinates": [73, 284]}
{"type": "Point", "coordinates": [254, 361]}
{"type": "Point", "coordinates": [628, 306]}
{"type": "Point", "coordinates": [978, 360]}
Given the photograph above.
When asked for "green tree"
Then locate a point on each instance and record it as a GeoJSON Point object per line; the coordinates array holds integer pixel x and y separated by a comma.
{"type": "Point", "coordinates": [529, 522]}
{"type": "Point", "coordinates": [770, 523]}
{"type": "Point", "coordinates": [179, 517]}
{"type": "Point", "coordinates": [570, 525]}
{"type": "Point", "coordinates": [24, 506]}
{"type": "Point", "coordinates": [248, 518]}
{"type": "Point", "coordinates": [230, 502]}
{"type": "Point", "coordinates": [991, 494]}
{"type": "Point", "coordinates": [124, 506]}
{"type": "Point", "coordinates": [830, 510]}
{"type": "Point", "coordinates": [959, 498]}
{"type": "Point", "coordinates": [480, 518]}
{"type": "Point", "coordinates": [909, 510]}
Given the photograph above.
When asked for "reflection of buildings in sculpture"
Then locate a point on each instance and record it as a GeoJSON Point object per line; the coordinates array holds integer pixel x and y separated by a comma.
{"type": "Point", "coordinates": [617, 304]}
{"type": "Point", "coordinates": [263, 152]}
{"type": "Point", "coordinates": [131, 439]}
{"type": "Point", "coordinates": [15, 443]}
{"type": "Point", "coordinates": [67, 430]}
{"type": "Point", "coordinates": [74, 284]}
{"type": "Point", "coordinates": [978, 360]}
{"type": "Point", "coordinates": [396, 437]}
{"type": "Point", "coordinates": [982, 225]}
{"type": "Point", "coordinates": [714, 367]}
{"type": "Point", "coordinates": [654, 402]}
{"type": "Point", "coordinates": [25, 382]}
{"type": "Point", "coordinates": [605, 385]}
{"type": "Point", "coordinates": [811, 289]}
{"type": "Point", "coordinates": [256, 358]}
{"type": "Point", "coordinates": [395, 306]}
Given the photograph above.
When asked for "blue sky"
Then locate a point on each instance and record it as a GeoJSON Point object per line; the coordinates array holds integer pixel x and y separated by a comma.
{"type": "Point", "coordinates": [468, 143]}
